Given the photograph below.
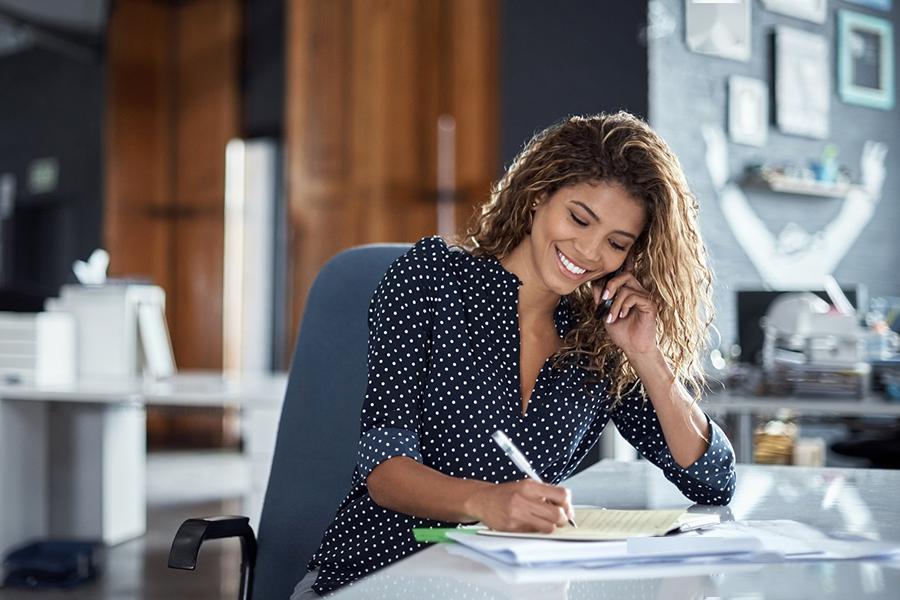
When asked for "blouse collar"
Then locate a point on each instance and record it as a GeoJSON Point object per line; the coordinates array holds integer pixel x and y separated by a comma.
{"type": "Point", "coordinates": [562, 315]}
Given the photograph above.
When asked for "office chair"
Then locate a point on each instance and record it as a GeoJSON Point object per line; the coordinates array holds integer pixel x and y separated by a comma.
{"type": "Point", "coordinates": [315, 450]}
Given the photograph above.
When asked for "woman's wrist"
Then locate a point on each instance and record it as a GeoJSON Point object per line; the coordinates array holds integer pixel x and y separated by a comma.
{"type": "Point", "coordinates": [473, 502]}
{"type": "Point", "coordinates": [648, 364]}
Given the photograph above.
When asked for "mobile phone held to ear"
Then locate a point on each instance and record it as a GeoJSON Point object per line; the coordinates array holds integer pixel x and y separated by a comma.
{"type": "Point", "coordinates": [604, 305]}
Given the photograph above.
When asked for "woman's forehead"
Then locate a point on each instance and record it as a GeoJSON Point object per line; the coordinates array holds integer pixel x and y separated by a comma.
{"type": "Point", "coordinates": [608, 201]}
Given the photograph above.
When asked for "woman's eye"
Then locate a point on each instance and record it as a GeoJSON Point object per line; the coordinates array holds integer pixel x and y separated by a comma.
{"type": "Point", "coordinates": [617, 247]}
{"type": "Point", "coordinates": [577, 220]}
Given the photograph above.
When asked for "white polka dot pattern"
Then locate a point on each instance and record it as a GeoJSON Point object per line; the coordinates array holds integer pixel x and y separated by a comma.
{"type": "Point", "coordinates": [443, 374]}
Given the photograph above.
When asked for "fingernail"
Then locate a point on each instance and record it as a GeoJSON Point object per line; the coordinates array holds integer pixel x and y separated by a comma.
{"type": "Point", "coordinates": [605, 295]}
{"type": "Point", "coordinates": [609, 318]}
{"type": "Point", "coordinates": [622, 314]}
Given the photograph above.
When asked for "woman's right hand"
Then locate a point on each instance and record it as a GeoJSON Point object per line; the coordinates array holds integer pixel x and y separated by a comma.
{"type": "Point", "coordinates": [524, 505]}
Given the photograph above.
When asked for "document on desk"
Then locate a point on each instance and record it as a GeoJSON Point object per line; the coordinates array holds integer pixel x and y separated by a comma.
{"type": "Point", "coordinates": [555, 553]}
{"type": "Point", "coordinates": [601, 524]}
{"type": "Point", "coordinates": [730, 542]}
{"type": "Point", "coordinates": [798, 541]}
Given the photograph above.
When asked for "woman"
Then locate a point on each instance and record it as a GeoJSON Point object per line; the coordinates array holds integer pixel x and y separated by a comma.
{"type": "Point", "coordinates": [501, 331]}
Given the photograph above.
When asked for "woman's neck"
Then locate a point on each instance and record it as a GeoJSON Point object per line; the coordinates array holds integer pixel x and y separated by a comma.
{"type": "Point", "coordinates": [536, 302]}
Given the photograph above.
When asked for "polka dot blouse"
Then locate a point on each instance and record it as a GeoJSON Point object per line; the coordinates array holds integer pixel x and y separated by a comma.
{"type": "Point", "coordinates": [443, 375]}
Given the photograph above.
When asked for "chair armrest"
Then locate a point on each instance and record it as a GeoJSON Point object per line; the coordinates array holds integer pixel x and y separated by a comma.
{"type": "Point", "coordinates": [192, 534]}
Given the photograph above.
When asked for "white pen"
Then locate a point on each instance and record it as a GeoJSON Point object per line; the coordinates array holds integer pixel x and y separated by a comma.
{"type": "Point", "coordinates": [518, 459]}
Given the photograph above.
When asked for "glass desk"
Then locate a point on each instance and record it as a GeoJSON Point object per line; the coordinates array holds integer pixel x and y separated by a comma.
{"type": "Point", "coordinates": [861, 501]}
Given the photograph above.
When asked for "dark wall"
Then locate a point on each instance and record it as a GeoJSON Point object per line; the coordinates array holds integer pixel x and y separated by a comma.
{"type": "Point", "coordinates": [262, 73]}
{"type": "Point", "coordinates": [689, 89]}
{"type": "Point", "coordinates": [51, 105]}
{"type": "Point", "coordinates": [563, 58]}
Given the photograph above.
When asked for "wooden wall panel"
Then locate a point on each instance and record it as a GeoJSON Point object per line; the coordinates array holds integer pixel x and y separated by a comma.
{"type": "Point", "coordinates": [475, 99]}
{"type": "Point", "coordinates": [172, 105]}
{"type": "Point", "coordinates": [138, 143]}
{"type": "Point", "coordinates": [206, 76]}
{"type": "Point", "coordinates": [366, 83]}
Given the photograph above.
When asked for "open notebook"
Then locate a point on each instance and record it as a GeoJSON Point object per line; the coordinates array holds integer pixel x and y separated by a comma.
{"type": "Point", "coordinates": [598, 524]}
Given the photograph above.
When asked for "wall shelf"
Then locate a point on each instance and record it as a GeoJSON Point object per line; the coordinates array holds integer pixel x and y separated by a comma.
{"type": "Point", "coordinates": [784, 184]}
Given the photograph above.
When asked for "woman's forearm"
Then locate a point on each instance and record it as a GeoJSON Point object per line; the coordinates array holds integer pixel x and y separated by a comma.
{"type": "Point", "coordinates": [404, 485]}
{"type": "Point", "coordinates": [683, 423]}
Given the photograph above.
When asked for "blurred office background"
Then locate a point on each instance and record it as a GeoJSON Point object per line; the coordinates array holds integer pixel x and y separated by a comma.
{"type": "Point", "coordinates": [224, 150]}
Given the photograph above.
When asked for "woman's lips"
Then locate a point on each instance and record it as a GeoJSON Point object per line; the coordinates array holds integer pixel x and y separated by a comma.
{"type": "Point", "coordinates": [565, 271]}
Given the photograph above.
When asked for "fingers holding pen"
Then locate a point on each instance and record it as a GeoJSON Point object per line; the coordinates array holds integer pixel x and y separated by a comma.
{"type": "Point", "coordinates": [525, 505]}
{"type": "Point", "coordinates": [555, 500]}
{"type": "Point", "coordinates": [558, 496]}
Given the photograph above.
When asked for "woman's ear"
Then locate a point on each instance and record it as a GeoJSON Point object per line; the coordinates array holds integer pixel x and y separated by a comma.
{"type": "Point", "coordinates": [540, 200]}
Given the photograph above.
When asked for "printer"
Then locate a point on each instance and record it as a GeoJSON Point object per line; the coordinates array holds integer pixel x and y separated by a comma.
{"type": "Point", "coordinates": [811, 349]}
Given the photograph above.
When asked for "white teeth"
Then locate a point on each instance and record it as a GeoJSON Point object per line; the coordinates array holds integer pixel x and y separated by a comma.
{"type": "Point", "coordinates": [570, 265]}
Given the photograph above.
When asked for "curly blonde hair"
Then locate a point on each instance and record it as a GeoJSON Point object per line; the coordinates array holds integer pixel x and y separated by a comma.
{"type": "Point", "coordinates": [669, 256]}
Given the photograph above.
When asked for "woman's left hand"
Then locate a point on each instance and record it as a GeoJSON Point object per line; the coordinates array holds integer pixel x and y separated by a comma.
{"type": "Point", "coordinates": [631, 320]}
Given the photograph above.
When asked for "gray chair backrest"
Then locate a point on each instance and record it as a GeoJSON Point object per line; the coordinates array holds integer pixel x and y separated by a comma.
{"type": "Point", "coordinates": [315, 451]}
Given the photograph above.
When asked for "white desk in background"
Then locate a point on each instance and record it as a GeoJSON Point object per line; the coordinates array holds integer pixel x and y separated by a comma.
{"type": "Point", "coordinates": [744, 406]}
{"type": "Point", "coordinates": [73, 457]}
{"type": "Point", "coordinates": [862, 501]}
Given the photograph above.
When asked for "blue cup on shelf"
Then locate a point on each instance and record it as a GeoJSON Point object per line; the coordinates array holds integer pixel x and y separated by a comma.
{"type": "Point", "coordinates": [825, 172]}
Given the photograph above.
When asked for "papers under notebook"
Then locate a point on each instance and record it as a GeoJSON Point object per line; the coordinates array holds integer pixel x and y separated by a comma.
{"type": "Point", "coordinates": [600, 524]}
{"type": "Point", "coordinates": [729, 542]}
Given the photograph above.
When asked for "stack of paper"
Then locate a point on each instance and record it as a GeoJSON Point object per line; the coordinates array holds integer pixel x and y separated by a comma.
{"type": "Point", "coordinates": [519, 551]}
{"type": "Point", "coordinates": [731, 542]}
{"type": "Point", "coordinates": [793, 540]}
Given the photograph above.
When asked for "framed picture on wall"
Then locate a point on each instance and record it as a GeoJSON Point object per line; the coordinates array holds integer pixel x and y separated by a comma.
{"type": "Point", "coordinates": [879, 4]}
{"type": "Point", "coordinates": [808, 10]}
{"type": "Point", "coordinates": [802, 83]}
{"type": "Point", "coordinates": [748, 110]}
{"type": "Point", "coordinates": [865, 60]}
{"type": "Point", "coordinates": [718, 29]}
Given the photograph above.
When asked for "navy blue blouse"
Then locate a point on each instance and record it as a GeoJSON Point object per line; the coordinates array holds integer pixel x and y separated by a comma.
{"type": "Point", "coordinates": [443, 375]}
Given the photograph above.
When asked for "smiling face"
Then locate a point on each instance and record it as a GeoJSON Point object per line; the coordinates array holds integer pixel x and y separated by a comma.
{"type": "Point", "coordinates": [583, 232]}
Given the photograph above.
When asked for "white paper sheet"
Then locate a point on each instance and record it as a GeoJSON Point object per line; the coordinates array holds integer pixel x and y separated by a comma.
{"type": "Point", "coordinates": [729, 542]}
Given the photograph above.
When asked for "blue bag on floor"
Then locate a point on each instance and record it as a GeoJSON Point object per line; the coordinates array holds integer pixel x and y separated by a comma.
{"type": "Point", "coordinates": [52, 564]}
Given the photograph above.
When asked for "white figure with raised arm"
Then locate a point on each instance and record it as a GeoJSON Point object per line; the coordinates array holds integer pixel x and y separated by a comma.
{"type": "Point", "coordinates": [795, 258]}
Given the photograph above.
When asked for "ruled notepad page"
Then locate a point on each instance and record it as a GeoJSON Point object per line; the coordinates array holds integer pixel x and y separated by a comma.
{"type": "Point", "coordinates": [609, 524]}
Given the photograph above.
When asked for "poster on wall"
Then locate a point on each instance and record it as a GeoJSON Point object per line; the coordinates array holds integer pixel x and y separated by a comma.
{"type": "Point", "coordinates": [718, 29]}
{"type": "Point", "coordinates": [865, 60]}
{"type": "Point", "coordinates": [802, 83]}
{"type": "Point", "coordinates": [748, 110]}
{"type": "Point", "coordinates": [815, 11]}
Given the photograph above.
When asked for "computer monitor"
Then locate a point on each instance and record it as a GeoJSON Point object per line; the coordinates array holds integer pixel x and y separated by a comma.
{"type": "Point", "coordinates": [752, 306]}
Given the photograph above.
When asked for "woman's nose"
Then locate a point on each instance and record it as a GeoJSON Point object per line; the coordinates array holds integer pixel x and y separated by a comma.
{"type": "Point", "coordinates": [593, 253]}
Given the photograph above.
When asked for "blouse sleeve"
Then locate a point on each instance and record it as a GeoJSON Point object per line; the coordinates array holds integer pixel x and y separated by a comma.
{"type": "Point", "coordinates": [400, 319]}
{"type": "Point", "coordinates": [710, 480]}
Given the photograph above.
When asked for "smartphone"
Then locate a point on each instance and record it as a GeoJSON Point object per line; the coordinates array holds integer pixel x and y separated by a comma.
{"type": "Point", "coordinates": [605, 305]}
